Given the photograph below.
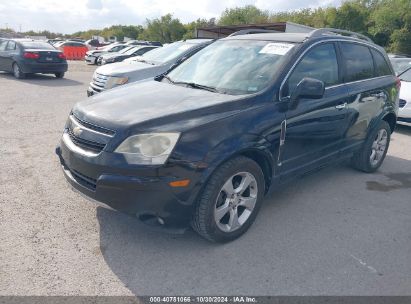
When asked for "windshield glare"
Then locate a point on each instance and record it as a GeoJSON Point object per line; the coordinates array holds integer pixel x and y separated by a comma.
{"type": "Point", "coordinates": [406, 76]}
{"type": "Point", "coordinates": [233, 66]}
{"type": "Point", "coordinates": [400, 64]}
{"type": "Point", "coordinates": [127, 49]}
{"type": "Point", "coordinates": [168, 52]}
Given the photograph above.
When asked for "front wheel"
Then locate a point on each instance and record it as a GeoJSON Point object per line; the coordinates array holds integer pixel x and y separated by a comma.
{"type": "Point", "coordinates": [59, 75]}
{"type": "Point", "coordinates": [17, 71]}
{"type": "Point", "coordinates": [374, 149]}
{"type": "Point", "coordinates": [230, 200]}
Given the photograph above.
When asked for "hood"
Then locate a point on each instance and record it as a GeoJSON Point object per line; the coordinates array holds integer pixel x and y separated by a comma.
{"type": "Point", "coordinates": [95, 52]}
{"type": "Point", "coordinates": [405, 91]}
{"type": "Point", "coordinates": [122, 68]}
{"type": "Point", "coordinates": [140, 102]}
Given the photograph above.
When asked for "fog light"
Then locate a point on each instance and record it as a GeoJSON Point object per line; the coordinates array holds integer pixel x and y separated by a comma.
{"type": "Point", "coordinates": [160, 220]}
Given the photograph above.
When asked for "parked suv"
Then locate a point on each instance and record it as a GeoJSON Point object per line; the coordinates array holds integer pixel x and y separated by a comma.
{"type": "Point", "coordinates": [204, 143]}
{"type": "Point", "coordinates": [146, 66]}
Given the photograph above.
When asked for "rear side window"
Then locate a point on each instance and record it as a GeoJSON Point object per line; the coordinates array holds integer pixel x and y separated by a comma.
{"type": "Point", "coordinates": [319, 63]}
{"type": "Point", "coordinates": [381, 66]}
{"type": "Point", "coordinates": [11, 46]}
{"type": "Point", "coordinates": [357, 61]}
{"type": "Point", "coordinates": [3, 45]}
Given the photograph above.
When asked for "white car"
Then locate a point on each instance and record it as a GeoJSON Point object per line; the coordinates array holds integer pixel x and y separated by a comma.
{"type": "Point", "coordinates": [404, 114]}
{"type": "Point", "coordinates": [92, 56]}
{"type": "Point", "coordinates": [402, 67]}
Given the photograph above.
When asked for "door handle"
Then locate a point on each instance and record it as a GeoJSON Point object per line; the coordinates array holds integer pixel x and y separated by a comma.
{"type": "Point", "coordinates": [341, 106]}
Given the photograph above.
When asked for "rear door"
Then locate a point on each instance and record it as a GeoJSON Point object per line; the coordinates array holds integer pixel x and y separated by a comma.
{"type": "Point", "coordinates": [369, 83]}
{"type": "Point", "coordinates": [3, 45]}
{"type": "Point", "coordinates": [314, 131]}
{"type": "Point", "coordinates": [11, 51]}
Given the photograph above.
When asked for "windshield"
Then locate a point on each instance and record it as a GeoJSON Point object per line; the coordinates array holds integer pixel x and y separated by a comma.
{"type": "Point", "coordinates": [127, 50]}
{"type": "Point", "coordinates": [406, 76]}
{"type": "Point", "coordinates": [37, 45]}
{"type": "Point", "coordinates": [400, 64]}
{"type": "Point", "coordinates": [168, 52]}
{"type": "Point", "coordinates": [233, 66]}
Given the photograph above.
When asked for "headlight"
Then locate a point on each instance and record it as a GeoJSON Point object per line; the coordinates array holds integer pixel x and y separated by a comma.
{"type": "Point", "coordinates": [115, 81]}
{"type": "Point", "coordinates": [149, 149]}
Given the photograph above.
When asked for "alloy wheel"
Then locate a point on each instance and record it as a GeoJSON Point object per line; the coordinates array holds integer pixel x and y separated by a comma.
{"type": "Point", "coordinates": [236, 201]}
{"type": "Point", "coordinates": [378, 147]}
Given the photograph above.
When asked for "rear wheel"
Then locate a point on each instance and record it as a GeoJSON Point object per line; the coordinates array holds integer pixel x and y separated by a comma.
{"type": "Point", "coordinates": [59, 75]}
{"type": "Point", "coordinates": [17, 71]}
{"type": "Point", "coordinates": [373, 151]}
{"type": "Point", "coordinates": [230, 201]}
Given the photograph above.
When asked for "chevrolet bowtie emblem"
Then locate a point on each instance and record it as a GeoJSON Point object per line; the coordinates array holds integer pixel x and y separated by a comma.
{"type": "Point", "coordinates": [77, 131]}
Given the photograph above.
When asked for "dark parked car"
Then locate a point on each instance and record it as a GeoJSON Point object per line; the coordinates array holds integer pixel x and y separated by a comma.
{"type": "Point", "coordinates": [206, 142]}
{"type": "Point", "coordinates": [124, 54]}
{"type": "Point", "coordinates": [22, 57]}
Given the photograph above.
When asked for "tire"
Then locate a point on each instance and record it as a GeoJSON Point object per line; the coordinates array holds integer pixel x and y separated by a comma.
{"type": "Point", "coordinates": [59, 75]}
{"type": "Point", "coordinates": [215, 213]}
{"type": "Point", "coordinates": [376, 145]}
{"type": "Point", "coordinates": [17, 72]}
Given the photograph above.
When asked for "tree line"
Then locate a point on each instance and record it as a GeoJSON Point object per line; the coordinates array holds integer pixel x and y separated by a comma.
{"type": "Point", "coordinates": [387, 22]}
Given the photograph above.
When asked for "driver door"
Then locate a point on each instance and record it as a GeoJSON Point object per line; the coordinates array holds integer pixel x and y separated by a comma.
{"type": "Point", "coordinates": [315, 129]}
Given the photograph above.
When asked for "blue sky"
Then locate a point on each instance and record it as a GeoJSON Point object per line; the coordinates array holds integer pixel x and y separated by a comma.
{"type": "Point", "coordinates": [75, 15]}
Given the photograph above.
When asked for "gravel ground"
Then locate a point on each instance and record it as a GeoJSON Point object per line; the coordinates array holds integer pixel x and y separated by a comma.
{"type": "Point", "coordinates": [337, 232]}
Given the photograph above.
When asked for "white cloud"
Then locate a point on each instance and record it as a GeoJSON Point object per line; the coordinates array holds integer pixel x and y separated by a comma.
{"type": "Point", "coordinates": [75, 15]}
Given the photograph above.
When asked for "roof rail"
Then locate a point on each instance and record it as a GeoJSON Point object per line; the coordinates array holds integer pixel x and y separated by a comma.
{"type": "Point", "coordinates": [330, 31]}
{"type": "Point", "coordinates": [252, 31]}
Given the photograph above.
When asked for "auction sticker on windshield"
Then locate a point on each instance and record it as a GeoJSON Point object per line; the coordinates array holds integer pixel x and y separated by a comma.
{"type": "Point", "coordinates": [276, 48]}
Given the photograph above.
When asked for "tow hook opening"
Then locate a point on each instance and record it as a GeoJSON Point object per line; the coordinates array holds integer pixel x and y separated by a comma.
{"type": "Point", "coordinates": [152, 220]}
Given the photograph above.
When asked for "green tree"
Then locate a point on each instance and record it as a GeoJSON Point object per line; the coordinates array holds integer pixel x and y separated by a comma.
{"type": "Point", "coordinates": [165, 29]}
{"type": "Point", "coordinates": [248, 14]}
{"type": "Point", "coordinates": [352, 16]}
{"type": "Point", "coordinates": [192, 26]}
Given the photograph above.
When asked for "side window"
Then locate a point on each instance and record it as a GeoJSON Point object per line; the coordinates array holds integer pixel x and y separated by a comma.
{"type": "Point", "coordinates": [3, 45]}
{"type": "Point", "coordinates": [11, 46]}
{"type": "Point", "coordinates": [140, 51]}
{"type": "Point", "coordinates": [320, 63]}
{"type": "Point", "coordinates": [381, 66]}
{"type": "Point", "coordinates": [357, 61]}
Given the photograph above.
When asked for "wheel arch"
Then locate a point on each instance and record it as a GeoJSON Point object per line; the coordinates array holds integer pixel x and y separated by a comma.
{"type": "Point", "coordinates": [391, 119]}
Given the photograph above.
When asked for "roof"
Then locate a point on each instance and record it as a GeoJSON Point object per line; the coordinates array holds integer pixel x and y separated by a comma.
{"type": "Point", "coordinates": [195, 41]}
{"type": "Point", "coordinates": [286, 37]}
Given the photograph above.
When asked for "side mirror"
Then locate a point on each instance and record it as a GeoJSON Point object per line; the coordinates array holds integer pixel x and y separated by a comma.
{"type": "Point", "coordinates": [310, 88]}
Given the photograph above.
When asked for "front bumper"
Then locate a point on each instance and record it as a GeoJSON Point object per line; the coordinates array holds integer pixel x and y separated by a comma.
{"type": "Point", "coordinates": [404, 113]}
{"type": "Point", "coordinates": [90, 59]}
{"type": "Point", "coordinates": [141, 191]}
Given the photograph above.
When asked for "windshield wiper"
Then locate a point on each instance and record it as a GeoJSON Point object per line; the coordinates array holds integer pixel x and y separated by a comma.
{"type": "Point", "coordinates": [193, 85]}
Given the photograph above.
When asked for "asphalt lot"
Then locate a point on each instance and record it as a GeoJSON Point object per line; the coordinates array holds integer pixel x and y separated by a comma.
{"type": "Point", "coordinates": [337, 232]}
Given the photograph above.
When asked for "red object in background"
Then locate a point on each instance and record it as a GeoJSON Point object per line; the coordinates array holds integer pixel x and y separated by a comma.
{"type": "Point", "coordinates": [75, 52]}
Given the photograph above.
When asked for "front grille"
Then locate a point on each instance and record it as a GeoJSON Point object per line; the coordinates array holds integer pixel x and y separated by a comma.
{"type": "Point", "coordinates": [84, 180]}
{"type": "Point", "coordinates": [402, 103]}
{"type": "Point", "coordinates": [99, 80]}
{"type": "Point", "coordinates": [84, 143]}
{"type": "Point", "coordinates": [94, 127]}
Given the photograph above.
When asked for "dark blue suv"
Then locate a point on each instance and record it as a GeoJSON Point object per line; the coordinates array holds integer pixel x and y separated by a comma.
{"type": "Point", "coordinates": [205, 142]}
